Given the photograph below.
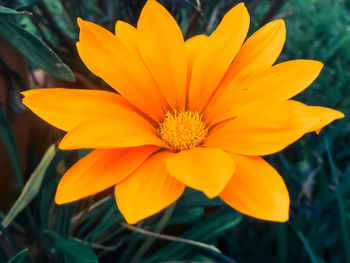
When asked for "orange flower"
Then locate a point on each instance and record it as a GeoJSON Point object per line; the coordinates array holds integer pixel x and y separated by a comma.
{"type": "Point", "coordinates": [194, 113]}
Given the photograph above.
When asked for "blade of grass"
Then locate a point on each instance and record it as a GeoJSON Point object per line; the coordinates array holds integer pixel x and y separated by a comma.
{"type": "Point", "coordinates": [8, 139]}
{"type": "Point", "coordinates": [31, 188]}
{"type": "Point", "coordinates": [340, 201]}
{"type": "Point", "coordinates": [14, 224]}
{"type": "Point", "coordinates": [20, 257]}
{"type": "Point", "coordinates": [170, 238]}
{"type": "Point", "coordinates": [206, 230]}
{"type": "Point", "coordinates": [161, 225]}
{"type": "Point", "coordinates": [281, 237]}
{"type": "Point", "coordinates": [8, 238]}
{"type": "Point", "coordinates": [307, 246]}
{"type": "Point", "coordinates": [8, 11]}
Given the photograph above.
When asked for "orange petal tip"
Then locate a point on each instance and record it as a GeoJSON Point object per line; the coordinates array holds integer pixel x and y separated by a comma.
{"type": "Point", "coordinates": [58, 201]}
{"type": "Point", "coordinates": [340, 115]}
{"type": "Point", "coordinates": [59, 198]}
{"type": "Point", "coordinates": [29, 92]}
{"type": "Point", "coordinates": [311, 63]}
{"type": "Point", "coordinates": [318, 64]}
{"type": "Point", "coordinates": [152, 4]}
{"type": "Point", "coordinates": [336, 115]}
{"type": "Point", "coordinates": [62, 145]}
{"type": "Point", "coordinates": [281, 219]}
{"type": "Point", "coordinates": [279, 24]}
{"type": "Point", "coordinates": [80, 21]}
{"type": "Point", "coordinates": [24, 93]}
{"type": "Point", "coordinates": [240, 4]}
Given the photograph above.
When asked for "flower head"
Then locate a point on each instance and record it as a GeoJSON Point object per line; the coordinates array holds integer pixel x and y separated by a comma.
{"type": "Point", "coordinates": [194, 113]}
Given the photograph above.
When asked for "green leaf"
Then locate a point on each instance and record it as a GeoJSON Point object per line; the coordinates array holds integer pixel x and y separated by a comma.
{"type": "Point", "coordinates": [9, 11]}
{"type": "Point", "coordinates": [48, 188]}
{"type": "Point", "coordinates": [73, 250]}
{"type": "Point", "coordinates": [35, 50]}
{"type": "Point", "coordinates": [186, 215]}
{"type": "Point", "coordinates": [205, 231]}
{"type": "Point", "coordinates": [31, 188]}
{"type": "Point", "coordinates": [193, 198]}
{"type": "Point", "coordinates": [7, 137]}
{"type": "Point", "coordinates": [307, 246]}
{"type": "Point", "coordinates": [202, 259]}
{"type": "Point", "coordinates": [20, 257]}
{"type": "Point", "coordinates": [160, 226]}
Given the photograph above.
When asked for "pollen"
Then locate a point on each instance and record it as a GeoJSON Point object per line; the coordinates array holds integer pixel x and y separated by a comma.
{"type": "Point", "coordinates": [183, 130]}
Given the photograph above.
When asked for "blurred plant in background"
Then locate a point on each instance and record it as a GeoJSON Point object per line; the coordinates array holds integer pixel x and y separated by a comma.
{"type": "Point", "coordinates": [37, 49]}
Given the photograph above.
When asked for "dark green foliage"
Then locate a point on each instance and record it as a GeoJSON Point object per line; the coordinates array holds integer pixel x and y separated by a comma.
{"type": "Point", "coordinates": [34, 49]}
{"type": "Point", "coordinates": [73, 250]}
{"type": "Point", "coordinates": [9, 141]}
{"type": "Point", "coordinates": [316, 168]}
{"type": "Point", "coordinates": [21, 257]}
{"type": "Point", "coordinates": [9, 11]}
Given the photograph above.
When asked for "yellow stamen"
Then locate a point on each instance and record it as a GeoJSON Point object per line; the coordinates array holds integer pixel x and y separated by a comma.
{"type": "Point", "coordinates": [183, 130]}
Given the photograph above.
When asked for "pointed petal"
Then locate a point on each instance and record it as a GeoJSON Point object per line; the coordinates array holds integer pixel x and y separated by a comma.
{"type": "Point", "coordinates": [111, 133]}
{"type": "Point", "coordinates": [193, 47]}
{"type": "Point", "coordinates": [66, 108]}
{"type": "Point", "coordinates": [264, 130]}
{"type": "Point", "coordinates": [216, 55]}
{"type": "Point", "coordinates": [204, 169]}
{"type": "Point", "coordinates": [257, 190]}
{"type": "Point", "coordinates": [148, 190]}
{"type": "Point", "coordinates": [107, 57]}
{"type": "Point", "coordinates": [100, 170]}
{"type": "Point", "coordinates": [126, 33]}
{"type": "Point", "coordinates": [278, 83]}
{"type": "Point", "coordinates": [162, 47]}
{"type": "Point", "coordinates": [259, 52]}
{"type": "Point", "coordinates": [325, 116]}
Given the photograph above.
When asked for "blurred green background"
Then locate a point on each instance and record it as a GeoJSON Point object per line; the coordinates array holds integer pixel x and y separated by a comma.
{"type": "Point", "coordinates": [37, 49]}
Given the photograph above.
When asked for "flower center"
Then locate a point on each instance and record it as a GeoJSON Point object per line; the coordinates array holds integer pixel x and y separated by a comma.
{"type": "Point", "coordinates": [183, 130]}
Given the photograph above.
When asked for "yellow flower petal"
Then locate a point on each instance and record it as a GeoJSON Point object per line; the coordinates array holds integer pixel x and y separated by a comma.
{"type": "Point", "coordinates": [325, 116]}
{"type": "Point", "coordinates": [148, 190]}
{"type": "Point", "coordinates": [264, 130]}
{"type": "Point", "coordinates": [259, 52]}
{"type": "Point", "coordinates": [126, 33]}
{"type": "Point", "coordinates": [100, 170]}
{"type": "Point", "coordinates": [111, 133]}
{"type": "Point", "coordinates": [66, 108]}
{"type": "Point", "coordinates": [216, 56]}
{"type": "Point", "coordinates": [204, 169]}
{"type": "Point", "coordinates": [162, 47]}
{"type": "Point", "coordinates": [257, 190]}
{"type": "Point", "coordinates": [107, 57]}
{"type": "Point", "coordinates": [193, 47]}
{"type": "Point", "coordinates": [278, 83]}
